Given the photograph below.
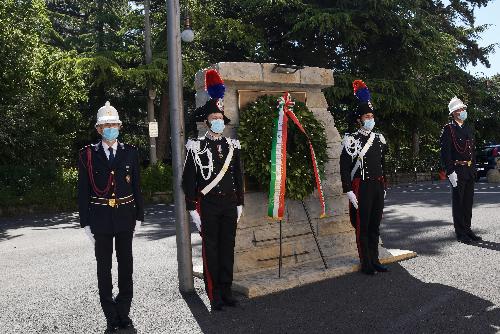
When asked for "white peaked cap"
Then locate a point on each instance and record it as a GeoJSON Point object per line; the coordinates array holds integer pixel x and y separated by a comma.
{"type": "Point", "coordinates": [455, 104]}
{"type": "Point", "coordinates": [107, 114]}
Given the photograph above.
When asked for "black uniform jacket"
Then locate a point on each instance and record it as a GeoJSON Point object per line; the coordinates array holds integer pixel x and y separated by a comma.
{"type": "Point", "coordinates": [230, 186]}
{"type": "Point", "coordinates": [122, 177]}
{"type": "Point", "coordinates": [373, 162]}
{"type": "Point", "coordinates": [457, 144]}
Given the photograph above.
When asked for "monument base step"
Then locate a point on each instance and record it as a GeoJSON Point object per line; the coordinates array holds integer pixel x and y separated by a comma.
{"type": "Point", "coordinates": [268, 282]}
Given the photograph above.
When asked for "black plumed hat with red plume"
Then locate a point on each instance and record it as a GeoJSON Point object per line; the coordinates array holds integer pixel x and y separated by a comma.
{"type": "Point", "coordinates": [214, 85]}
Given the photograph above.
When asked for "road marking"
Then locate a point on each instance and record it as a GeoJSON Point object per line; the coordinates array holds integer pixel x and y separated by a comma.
{"type": "Point", "coordinates": [447, 192]}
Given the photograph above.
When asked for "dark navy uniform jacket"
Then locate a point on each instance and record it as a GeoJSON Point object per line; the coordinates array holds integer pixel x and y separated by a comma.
{"type": "Point", "coordinates": [457, 144]}
{"type": "Point", "coordinates": [100, 181]}
{"type": "Point", "coordinates": [230, 186]}
{"type": "Point", "coordinates": [373, 161]}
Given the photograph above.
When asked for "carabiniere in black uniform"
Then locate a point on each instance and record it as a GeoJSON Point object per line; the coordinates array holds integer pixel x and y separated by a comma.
{"type": "Point", "coordinates": [368, 184]}
{"type": "Point", "coordinates": [362, 172]}
{"type": "Point", "coordinates": [217, 208]}
{"type": "Point", "coordinates": [213, 185]}
{"type": "Point", "coordinates": [110, 202]}
{"type": "Point", "coordinates": [457, 155]}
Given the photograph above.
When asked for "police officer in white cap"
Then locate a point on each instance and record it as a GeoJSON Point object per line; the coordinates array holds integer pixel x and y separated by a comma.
{"type": "Point", "coordinates": [111, 207]}
{"type": "Point", "coordinates": [458, 158]}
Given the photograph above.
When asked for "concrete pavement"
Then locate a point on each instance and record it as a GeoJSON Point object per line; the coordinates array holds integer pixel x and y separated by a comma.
{"type": "Point", "coordinates": [48, 281]}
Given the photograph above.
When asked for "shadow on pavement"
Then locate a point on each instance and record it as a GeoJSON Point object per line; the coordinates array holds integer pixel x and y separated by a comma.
{"type": "Point", "coordinates": [406, 232]}
{"type": "Point", "coordinates": [68, 220]}
{"type": "Point", "coordinates": [393, 302]}
{"type": "Point", "coordinates": [488, 245]}
{"type": "Point", "coordinates": [160, 222]}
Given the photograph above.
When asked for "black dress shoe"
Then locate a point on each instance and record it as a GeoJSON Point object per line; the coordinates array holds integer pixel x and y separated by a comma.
{"type": "Point", "coordinates": [128, 326]}
{"type": "Point", "coordinates": [229, 301]}
{"type": "Point", "coordinates": [111, 328]}
{"type": "Point", "coordinates": [474, 237]}
{"type": "Point", "coordinates": [464, 239]}
{"type": "Point", "coordinates": [216, 305]}
{"type": "Point", "coordinates": [380, 268]}
{"type": "Point", "coordinates": [367, 270]}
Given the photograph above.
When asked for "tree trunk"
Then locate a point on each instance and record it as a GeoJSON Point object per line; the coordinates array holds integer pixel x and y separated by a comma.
{"type": "Point", "coordinates": [416, 143]}
{"type": "Point", "coordinates": [163, 141]}
{"type": "Point", "coordinates": [151, 94]}
{"type": "Point", "coordinates": [99, 26]}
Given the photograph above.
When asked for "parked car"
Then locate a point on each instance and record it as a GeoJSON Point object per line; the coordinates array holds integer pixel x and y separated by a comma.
{"type": "Point", "coordinates": [485, 159]}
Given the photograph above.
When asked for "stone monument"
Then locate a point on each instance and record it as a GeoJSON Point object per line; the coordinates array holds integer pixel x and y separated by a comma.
{"type": "Point", "coordinates": [257, 238]}
{"type": "Point", "coordinates": [493, 175]}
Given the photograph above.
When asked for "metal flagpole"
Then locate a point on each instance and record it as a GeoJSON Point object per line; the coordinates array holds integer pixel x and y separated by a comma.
{"type": "Point", "coordinates": [280, 261]}
{"type": "Point", "coordinates": [183, 235]}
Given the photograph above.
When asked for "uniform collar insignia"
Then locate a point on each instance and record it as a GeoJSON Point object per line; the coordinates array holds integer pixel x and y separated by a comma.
{"type": "Point", "coordinates": [208, 135]}
{"type": "Point", "coordinates": [364, 132]}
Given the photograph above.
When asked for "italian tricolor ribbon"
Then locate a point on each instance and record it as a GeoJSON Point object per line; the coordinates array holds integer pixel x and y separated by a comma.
{"type": "Point", "coordinates": [276, 205]}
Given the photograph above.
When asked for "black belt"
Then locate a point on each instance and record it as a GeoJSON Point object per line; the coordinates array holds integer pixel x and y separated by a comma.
{"type": "Point", "coordinates": [112, 202]}
{"type": "Point", "coordinates": [221, 194]}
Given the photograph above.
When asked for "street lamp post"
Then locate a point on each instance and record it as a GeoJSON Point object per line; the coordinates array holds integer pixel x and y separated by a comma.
{"type": "Point", "coordinates": [183, 235]}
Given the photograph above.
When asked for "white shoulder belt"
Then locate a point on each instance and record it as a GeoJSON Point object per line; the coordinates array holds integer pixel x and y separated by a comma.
{"type": "Point", "coordinates": [223, 171]}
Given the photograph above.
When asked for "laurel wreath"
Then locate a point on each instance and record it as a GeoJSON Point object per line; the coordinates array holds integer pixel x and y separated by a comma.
{"type": "Point", "coordinates": [255, 133]}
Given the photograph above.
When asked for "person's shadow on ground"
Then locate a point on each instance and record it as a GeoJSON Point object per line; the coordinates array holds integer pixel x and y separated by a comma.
{"type": "Point", "coordinates": [487, 245]}
{"type": "Point", "coordinates": [393, 302]}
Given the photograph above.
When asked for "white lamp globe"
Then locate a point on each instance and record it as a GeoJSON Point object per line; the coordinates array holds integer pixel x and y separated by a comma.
{"type": "Point", "coordinates": [187, 35]}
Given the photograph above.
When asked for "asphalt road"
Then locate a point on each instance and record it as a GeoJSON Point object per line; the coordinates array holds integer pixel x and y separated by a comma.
{"type": "Point", "coordinates": [48, 281]}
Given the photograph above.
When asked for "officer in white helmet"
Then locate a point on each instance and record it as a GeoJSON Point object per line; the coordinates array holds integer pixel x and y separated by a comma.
{"type": "Point", "coordinates": [458, 158]}
{"type": "Point", "coordinates": [111, 208]}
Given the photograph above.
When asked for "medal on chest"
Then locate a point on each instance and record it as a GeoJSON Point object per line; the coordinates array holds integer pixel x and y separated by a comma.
{"type": "Point", "coordinates": [219, 149]}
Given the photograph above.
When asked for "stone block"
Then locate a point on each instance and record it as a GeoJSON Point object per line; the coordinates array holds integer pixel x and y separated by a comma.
{"type": "Point", "coordinates": [493, 176]}
{"type": "Point", "coordinates": [315, 76]}
{"type": "Point", "coordinates": [240, 72]}
{"type": "Point", "coordinates": [316, 99]}
{"type": "Point", "coordinates": [279, 78]}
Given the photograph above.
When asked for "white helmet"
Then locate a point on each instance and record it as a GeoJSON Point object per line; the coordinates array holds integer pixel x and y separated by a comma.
{"type": "Point", "coordinates": [107, 114]}
{"type": "Point", "coordinates": [455, 104]}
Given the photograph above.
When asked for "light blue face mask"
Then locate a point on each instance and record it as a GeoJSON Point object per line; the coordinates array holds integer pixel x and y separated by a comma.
{"type": "Point", "coordinates": [463, 115]}
{"type": "Point", "coordinates": [369, 124]}
{"type": "Point", "coordinates": [217, 125]}
{"type": "Point", "coordinates": [110, 134]}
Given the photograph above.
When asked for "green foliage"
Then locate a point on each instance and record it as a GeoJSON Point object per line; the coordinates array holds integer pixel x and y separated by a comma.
{"type": "Point", "coordinates": [156, 178]}
{"type": "Point", "coordinates": [52, 188]}
{"type": "Point", "coordinates": [42, 189]}
{"type": "Point", "coordinates": [255, 132]}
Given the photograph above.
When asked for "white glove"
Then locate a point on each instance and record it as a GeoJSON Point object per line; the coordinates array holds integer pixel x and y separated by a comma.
{"type": "Point", "coordinates": [89, 234]}
{"type": "Point", "coordinates": [195, 216]}
{"type": "Point", "coordinates": [137, 226]}
{"type": "Point", "coordinates": [352, 198]}
{"type": "Point", "coordinates": [240, 211]}
{"type": "Point", "coordinates": [385, 193]}
{"type": "Point", "coordinates": [453, 179]}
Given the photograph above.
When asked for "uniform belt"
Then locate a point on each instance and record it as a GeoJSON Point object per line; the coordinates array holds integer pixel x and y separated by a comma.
{"type": "Point", "coordinates": [112, 202]}
{"type": "Point", "coordinates": [220, 194]}
{"type": "Point", "coordinates": [463, 163]}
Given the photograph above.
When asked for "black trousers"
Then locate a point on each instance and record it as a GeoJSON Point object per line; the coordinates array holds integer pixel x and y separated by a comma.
{"type": "Point", "coordinates": [366, 219]}
{"type": "Point", "coordinates": [116, 310]}
{"type": "Point", "coordinates": [462, 200]}
{"type": "Point", "coordinates": [218, 230]}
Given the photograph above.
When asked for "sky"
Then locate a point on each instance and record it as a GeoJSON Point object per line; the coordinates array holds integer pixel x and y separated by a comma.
{"type": "Point", "coordinates": [488, 15]}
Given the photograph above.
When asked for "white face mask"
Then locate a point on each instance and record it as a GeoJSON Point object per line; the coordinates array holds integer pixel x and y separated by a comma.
{"type": "Point", "coordinates": [369, 124]}
{"type": "Point", "coordinates": [217, 125]}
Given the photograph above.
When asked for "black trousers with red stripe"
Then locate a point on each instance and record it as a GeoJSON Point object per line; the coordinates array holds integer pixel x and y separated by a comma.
{"type": "Point", "coordinates": [218, 230]}
{"type": "Point", "coordinates": [366, 219]}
